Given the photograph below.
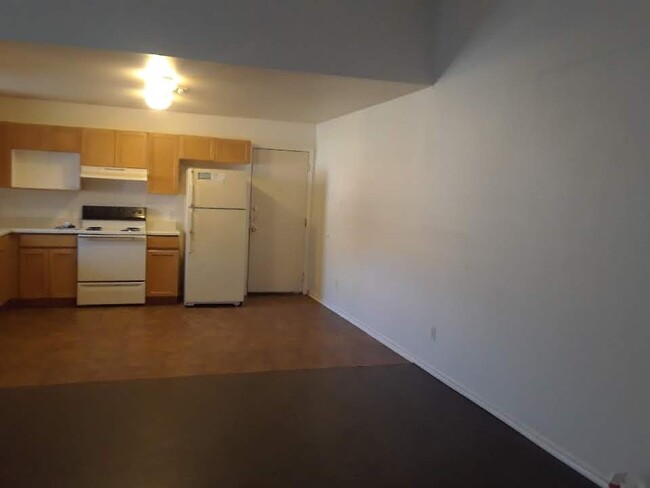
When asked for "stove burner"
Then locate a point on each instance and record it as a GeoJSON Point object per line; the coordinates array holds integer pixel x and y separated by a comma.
{"type": "Point", "coordinates": [94, 228]}
{"type": "Point", "coordinates": [131, 229]}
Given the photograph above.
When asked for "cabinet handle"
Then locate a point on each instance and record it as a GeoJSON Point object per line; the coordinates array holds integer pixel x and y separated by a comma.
{"type": "Point", "coordinates": [105, 285]}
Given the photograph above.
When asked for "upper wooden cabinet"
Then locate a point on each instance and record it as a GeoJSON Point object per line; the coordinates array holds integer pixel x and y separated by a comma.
{"type": "Point", "coordinates": [131, 149]}
{"type": "Point", "coordinates": [232, 151]}
{"type": "Point", "coordinates": [5, 156]}
{"type": "Point", "coordinates": [197, 148]}
{"type": "Point", "coordinates": [63, 139]}
{"type": "Point", "coordinates": [158, 153]}
{"type": "Point", "coordinates": [44, 138]}
{"type": "Point", "coordinates": [25, 136]}
{"type": "Point", "coordinates": [98, 147]}
{"type": "Point", "coordinates": [163, 164]}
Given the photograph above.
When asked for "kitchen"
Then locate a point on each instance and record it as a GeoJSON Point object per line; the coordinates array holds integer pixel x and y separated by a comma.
{"type": "Point", "coordinates": [43, 260]}
{"type": "Point", "coordinates": [57, 158]}
{"type": "Point", "coordinates": [97, 128]}
{"type": "Point", "coordinates": [424, 223]}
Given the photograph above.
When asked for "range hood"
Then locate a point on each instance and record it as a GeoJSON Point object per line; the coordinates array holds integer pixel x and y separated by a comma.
{"type": "Point", "coordinates": [111, 173]}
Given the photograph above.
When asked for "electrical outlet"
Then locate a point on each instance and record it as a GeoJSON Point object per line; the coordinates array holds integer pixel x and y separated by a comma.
{"type": "Point", "coordinates": [434, 333]}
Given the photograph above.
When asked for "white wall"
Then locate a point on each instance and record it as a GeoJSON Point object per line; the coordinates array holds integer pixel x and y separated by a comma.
{"type": "Point", "coordinates": [509, 207]}
{"type": "Point", "coordinates": [59, 205]}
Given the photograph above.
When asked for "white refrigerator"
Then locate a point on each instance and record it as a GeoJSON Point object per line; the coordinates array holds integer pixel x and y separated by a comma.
{"type": "Point", "coordinates": [216, 242]}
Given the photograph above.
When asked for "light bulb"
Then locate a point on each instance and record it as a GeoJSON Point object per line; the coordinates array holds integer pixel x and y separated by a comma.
{"type": "Point", "coordinates": [159, 83]}
{"type": "Point", "coordinates": [158, 100]}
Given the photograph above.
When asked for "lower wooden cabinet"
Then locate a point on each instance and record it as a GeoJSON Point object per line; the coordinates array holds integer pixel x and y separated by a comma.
{"type": "Point", "coordinates": [163, 266]}
{"type": "Point", "coordinates": [63, 273]}
{"type": "Point", "coordinates": [46, 272]}
{"type": "Point", "coordinates": [33, 279]}
{"type": "Point", "coordinates": [8, 267]}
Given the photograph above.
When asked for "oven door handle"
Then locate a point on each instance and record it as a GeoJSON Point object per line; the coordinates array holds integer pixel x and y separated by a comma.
{"type": "Point", "coordinates": [124, 238]}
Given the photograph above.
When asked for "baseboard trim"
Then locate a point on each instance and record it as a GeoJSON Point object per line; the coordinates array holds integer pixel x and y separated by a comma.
{"type": "Point", "coordinates": [162, 300]}
{"type": "Point", "coordinates": [532, 435]}
{"type": "Point", "coordinates": [41, 302]}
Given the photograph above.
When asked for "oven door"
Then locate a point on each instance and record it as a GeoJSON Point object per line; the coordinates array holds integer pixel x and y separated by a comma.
{"type": "Point", "coordinates": [117, 258]}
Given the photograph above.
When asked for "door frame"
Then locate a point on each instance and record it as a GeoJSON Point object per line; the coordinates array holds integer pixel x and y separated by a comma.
{"type": "Point", "coordinates": [308, 209]}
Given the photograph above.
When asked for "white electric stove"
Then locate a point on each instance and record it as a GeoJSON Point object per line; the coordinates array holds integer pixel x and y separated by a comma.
{"type": "Point", "coordinates": [111, 256]}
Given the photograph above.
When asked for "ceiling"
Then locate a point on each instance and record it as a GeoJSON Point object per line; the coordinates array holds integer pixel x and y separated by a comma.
{"type": "Point", "coordinates": [113, 78]}
{"type": "Point", "coordinates": [379, 39]}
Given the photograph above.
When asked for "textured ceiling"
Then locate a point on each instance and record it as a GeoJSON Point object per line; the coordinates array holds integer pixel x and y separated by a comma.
{"type": "Point", "coordinates": [112, 78]}
{"type": "Point", "coordinates": [379, 39]}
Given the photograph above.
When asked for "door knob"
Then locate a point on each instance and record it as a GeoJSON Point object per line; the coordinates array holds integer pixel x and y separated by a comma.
{"type": "Point", "coordinates": [253, 228]}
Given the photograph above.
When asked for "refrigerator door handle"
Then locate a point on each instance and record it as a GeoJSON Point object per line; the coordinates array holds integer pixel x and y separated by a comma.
{"type": "Point", "coordinates": [190, 230]}
{"type": "Point", "coordinates": [191, 189]}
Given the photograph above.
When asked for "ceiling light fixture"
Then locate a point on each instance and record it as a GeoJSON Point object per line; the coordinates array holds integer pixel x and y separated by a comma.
{"type": "Point", "coordinates": [160, 83]}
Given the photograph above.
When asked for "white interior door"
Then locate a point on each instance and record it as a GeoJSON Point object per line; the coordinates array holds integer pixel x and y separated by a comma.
{"type": "Point", "coordinates": [278, 220]}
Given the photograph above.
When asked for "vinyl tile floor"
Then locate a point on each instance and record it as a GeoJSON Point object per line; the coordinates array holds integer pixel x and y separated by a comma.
{"type": "Point", "coordinates": [43, 346]}
{"type": "Point", "coordinates": [279, 393]}
{"type": "Point", "coordinates": [378, 426]}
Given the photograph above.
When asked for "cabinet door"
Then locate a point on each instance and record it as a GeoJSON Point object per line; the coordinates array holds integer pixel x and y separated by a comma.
{"type": "Point", "coordinates": [98, 147]}
{"type": "Point", "coordinates": [33, 273]}
{"type": "Point", "coordinates": [163, 164]}
{"type": "Point", "coordinates": [26, 136]}
{"type": "Point", "coordinates": [5, 270]}
{"type": "Point", "coordinates": [232, 151]}
{"type": "Point", "coordinates": [61, 139]}
{"type": "Point", "coordinates": [63, 273]}
{"type": "Point", "coordinates": [5, 156]}
{"type": "Point", "coordinates": [162, 273]}
{"type": "Point", "coordinates": [131, 149]}
{"type": "Point", "coordinates": [197, 148]}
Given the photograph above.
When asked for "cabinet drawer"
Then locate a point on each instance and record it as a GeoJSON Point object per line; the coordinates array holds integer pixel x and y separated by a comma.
{"type": "Point", "coordinates": [47, 240]}
{"type": "Point", "coordinates": [163, 242]}
{"type": "Point", "coordinates": [4, 243]}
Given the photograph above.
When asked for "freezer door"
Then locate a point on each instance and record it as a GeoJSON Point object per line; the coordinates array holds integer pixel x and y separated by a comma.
{"type": "Point", "coordinates": [216, 256]}
{"type": "Point", "coordinates": [211, 188]}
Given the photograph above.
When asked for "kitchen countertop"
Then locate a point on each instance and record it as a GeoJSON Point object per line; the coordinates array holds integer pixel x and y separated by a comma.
{"type": "Point", "coordinates": [162, 228]}
{"type": "Point", "coordinates": [43, 226]}
{"type": "Point", "coordinates": [33, 226]}
{"type": "Point", "coordinates": [163, 232]}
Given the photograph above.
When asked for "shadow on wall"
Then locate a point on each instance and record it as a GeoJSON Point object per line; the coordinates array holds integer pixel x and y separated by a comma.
{"type": "Point", "coordinates": [318, 232]}
{"type": "Point", "coordinates": [456, 23]}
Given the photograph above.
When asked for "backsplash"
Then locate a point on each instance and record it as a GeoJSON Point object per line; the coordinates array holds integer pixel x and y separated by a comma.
{"type": "Point", "coordinates": [66, 205]}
